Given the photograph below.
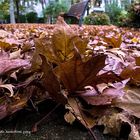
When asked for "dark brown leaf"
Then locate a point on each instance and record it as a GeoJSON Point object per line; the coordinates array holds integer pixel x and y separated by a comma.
{"type": "Point", "coordinates": [51, 83]}
{"type": "Point", "coordinates": [76, 74]}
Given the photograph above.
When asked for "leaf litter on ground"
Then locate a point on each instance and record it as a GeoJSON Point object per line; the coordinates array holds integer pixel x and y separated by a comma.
{"type": "Point", "coordinates": [92, 70]}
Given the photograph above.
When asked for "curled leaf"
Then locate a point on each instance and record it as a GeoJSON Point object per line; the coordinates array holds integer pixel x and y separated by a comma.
{"type": "Point", "coordinates": [9, 87]}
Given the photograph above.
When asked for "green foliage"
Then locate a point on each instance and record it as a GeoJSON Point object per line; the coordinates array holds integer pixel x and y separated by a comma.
{"type": "Point", "coordinates": [97, 19]}
{"type": "Point", "coordinates": [40, 20]}
{"type": "Point", "coordinates": [32, 17]}
{"type": "Point", "coordinates": [134, 14]}
{"type": "Point", "coordinates": [54, 9]}
{"type": "Point", "coordinates": [4, 9]}
{"type": "Point", "coordinates": [114, 12]}
{"type": "Point", "coordinates": [123, 18]}
{"type": "Point", "coordinates": [7, 18]}
{"type": "Point", "coordinates": [22, 18]}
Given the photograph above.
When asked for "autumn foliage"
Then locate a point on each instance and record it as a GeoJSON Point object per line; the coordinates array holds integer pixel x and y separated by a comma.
{"type": "Point", "coordinates": [94, 71]}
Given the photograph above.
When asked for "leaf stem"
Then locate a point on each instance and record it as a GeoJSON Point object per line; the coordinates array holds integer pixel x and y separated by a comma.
{"type": "Point", "coordinates": [89, 129]}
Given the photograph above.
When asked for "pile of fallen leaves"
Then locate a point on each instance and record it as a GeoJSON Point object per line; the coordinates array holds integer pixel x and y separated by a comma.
{"type": "Point", "coordinates": [94, 71]}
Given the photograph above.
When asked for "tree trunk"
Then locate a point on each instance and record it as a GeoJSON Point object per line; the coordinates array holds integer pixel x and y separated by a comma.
{"type": "Point", "coordinates": [17, 10]}
{"type": "Point", "coordinates": [11, 10]}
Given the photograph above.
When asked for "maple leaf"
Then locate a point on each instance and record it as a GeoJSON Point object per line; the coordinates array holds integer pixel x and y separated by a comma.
{"type": "Point", "coordinates": [60, 47]}
{"type": "Point", "coordinates": [137, 61]}
{"type": "Point", "coordinates": [50, 82]}
{"type": "Point", "coordinates": [76, 74]}
{"type": "Point", "coordinates": [64, 40]}
{"type": "Point", "coordinates": [99, 111]}
{"type": "Point", "coordinates": [69, 117]}
{"type": "Point", "coordinates": [135, 40]}
{"type": "Point", "coordinates": [15, 54]}
{"type": "Point", "coordinates": [3, 110]}
{"type": "Point", "coordinates": [8, 43]}
{"type": "Point", "coordinates": [113, 42]}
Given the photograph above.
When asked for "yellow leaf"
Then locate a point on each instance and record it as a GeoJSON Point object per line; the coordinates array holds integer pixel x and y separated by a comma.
{"type": "Point", "coordinates": [135, 40]}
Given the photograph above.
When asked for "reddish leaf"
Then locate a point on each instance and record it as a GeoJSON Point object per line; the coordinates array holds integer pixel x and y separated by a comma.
{"type": "Point", "coordinates": [8, 65]}
{"type": "Point", "coordinates": [104, 94]}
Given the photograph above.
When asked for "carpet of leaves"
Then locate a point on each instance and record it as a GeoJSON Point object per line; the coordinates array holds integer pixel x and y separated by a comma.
{"type": "Point", "coordinates": [94, 71]}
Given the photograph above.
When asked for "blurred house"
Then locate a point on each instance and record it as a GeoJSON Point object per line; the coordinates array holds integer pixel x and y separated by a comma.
{"type": "Point", "coordinates": [100, 5]}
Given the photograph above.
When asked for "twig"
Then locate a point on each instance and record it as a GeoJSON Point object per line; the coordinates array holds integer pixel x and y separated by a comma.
{"type": "Point", "coordinates": [34, 129]}
{"type": "Point", "coordinates": [92, 134]}
{"type": "Point", "coordinates": [34, 106]}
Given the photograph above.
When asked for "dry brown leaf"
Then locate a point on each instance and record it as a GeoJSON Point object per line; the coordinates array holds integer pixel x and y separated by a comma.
{"type": "Point", "coordinates": [107, 94]}
{"type": "Point", "coordinates": [133, 73]}
{"type": "Point", "coordinates": [130, 102]}
{"type": "Point", "coordinates": [76, 74]}
{"type": "Point", "coordinates": [113, 42]}
{"type": "Point", "coordinates": [8, 65]}
{"type": "Point", "coordinates": [69, 117]}
{"type": "Point", "coordinates": [74, 106]}
{"type": "Point", "coordinates": [51, 83]}
{"type": "Point", "coordinates": [113, 124]}
{"type": "Point", "coordinates": [4, 34]}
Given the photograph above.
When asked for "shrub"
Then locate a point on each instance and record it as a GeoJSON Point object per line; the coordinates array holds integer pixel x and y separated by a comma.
{"type": "Point", "coordinates": [123, 18]}
{"type": "Point", "coordinates": [32, 17]}
{"type": "Point", "coordinates": [134, 14]}
{"type": "Point", "coordinates": [114, 12]}
{"type": "Point", "coordinates": [22, 18]}
{"type": "Point", "coordinates": [7, 18]}
{"type": "Point", "coordinates": [40, 20]}
{"type": "Point", "coordinates": [97, 19]}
